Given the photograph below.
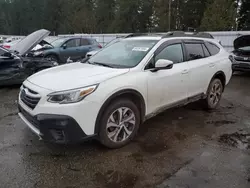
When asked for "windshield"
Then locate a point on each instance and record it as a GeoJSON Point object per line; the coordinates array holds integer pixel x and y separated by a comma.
{"type": "Point", "coordinates": [124, 53]}
{"type": "Point", "coordinates": [58, 42]}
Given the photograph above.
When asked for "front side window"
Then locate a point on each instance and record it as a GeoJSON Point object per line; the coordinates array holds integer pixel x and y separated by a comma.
{"type": "Point", "coordinates": [73, 43]}
{"type": "Point", "coordinates": [194, 51]}
{"type": "Point", "coordinates": [173, 53]}
{"type": "Point", "coordinates": [124, 53]}
{"type": "Point", "coordinates": [58, 43]}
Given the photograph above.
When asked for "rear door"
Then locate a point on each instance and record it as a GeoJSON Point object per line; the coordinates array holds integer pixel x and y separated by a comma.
{"type": "Point", "coordinates": [201, 66]}
{"type": "Point", "coordinates": [85, 47]}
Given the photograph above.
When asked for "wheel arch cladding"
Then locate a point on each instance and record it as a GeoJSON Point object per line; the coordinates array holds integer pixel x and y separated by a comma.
{"type": "Point", "coordinates": [131, 94]}
{"type": "Point", "coordinates": [221, 76]}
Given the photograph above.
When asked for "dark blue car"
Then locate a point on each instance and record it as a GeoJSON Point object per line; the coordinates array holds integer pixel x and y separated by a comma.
{"type": "Point", "coordinates": [74, 48]}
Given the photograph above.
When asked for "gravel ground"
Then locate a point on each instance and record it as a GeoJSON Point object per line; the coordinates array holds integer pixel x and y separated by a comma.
{"type": "Point", "coordinates": [184, 147]}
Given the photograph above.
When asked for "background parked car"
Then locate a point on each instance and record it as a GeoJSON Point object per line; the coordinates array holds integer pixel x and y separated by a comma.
{"type": "Point", "coordinates": [20, 62]}
{"type": "Point", "coordinates": [74, 47]}
{"type": "Point", "coordinates": [241, 55]}
{"type": "Point", "coordinates": [8, 45]}
{"type": "Point", "coordinates": [91, 53]}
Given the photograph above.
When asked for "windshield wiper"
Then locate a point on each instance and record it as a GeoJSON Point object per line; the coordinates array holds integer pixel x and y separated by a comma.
{"type": "Point", "coordinates": [101, 64]}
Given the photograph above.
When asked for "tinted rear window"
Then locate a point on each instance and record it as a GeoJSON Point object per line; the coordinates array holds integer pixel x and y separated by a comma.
{"type": "Point", "coordinates": [213, 49]}
{"type": "Point", "coordinates": [93, 42]}
{"type": "Point", "coordinates": [194, 51]}
{"type": "Point", "coordinates": [84, 42]}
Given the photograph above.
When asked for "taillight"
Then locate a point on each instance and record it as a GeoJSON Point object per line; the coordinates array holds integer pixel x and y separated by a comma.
{"type": "Point", "coordinates": [99, 46]}
{"type": "Point", "coordinates": [6, 46]}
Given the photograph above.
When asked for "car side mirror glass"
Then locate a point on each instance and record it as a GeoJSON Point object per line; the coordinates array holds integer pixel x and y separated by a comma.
{"type": "Point", "coordinates": [64, 46]}
{"type": "Point", "coordinates": [163, 64]}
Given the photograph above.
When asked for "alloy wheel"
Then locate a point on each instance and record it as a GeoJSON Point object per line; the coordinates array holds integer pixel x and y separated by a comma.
{"type": "Point", "coordinates": [215, 94]}
{"type": "Point", "coordinates": [120, 124]}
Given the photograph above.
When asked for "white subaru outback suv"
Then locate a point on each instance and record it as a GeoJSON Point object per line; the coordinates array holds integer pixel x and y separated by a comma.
{"type": "Point", "coordinates": [111, 94]}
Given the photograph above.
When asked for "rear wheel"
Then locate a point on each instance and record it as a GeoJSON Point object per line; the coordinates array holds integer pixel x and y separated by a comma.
{"type": "Point", "coordinates": [119, 123]}
{"type": "Point", "coordinates": [214, 94]}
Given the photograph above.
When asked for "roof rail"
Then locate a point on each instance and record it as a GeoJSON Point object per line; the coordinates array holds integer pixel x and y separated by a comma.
{"type": "Point", "coordinates": [145, 34]}
{"type": "Point", "coordinates": [188, 34]}
{"type": "Point", "coordinates": [138, 34]}
{"type": "Point", "coordinates": [174, 34]}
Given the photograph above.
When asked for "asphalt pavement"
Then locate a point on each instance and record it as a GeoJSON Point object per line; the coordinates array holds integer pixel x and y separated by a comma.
{"type": "Point", "coordinates": [180, 148]}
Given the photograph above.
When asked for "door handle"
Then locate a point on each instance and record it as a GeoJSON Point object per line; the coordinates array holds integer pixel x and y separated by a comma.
{"type": "Point", "coordinates": [185, 71]}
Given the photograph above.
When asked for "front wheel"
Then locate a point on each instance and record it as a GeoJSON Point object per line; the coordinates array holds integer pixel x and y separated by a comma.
{"type": "Point", "coordinates": [53, 58]}
{"type": "Point", "coordinates": [214, 94]}
{"type": "Point", "coordinates": [119, 123]}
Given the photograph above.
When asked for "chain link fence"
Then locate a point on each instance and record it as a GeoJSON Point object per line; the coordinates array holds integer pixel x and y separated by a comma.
{"type": "Point", "coordinates": [226, 38]}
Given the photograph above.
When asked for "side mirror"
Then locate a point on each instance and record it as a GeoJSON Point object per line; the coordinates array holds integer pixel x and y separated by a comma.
{"type": "Point", "coordinates": [163, 64]}
{"type": "Point", "coordinates": [64, 46]}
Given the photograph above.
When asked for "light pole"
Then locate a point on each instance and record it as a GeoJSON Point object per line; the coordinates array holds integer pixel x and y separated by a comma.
{"type": "Point", "coordinates": [169, 15]}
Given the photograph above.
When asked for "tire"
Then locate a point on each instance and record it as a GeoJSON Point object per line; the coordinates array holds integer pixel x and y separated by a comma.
{"type": "Point", "coordinates": [112, 134]}
{"type": "Point", "coordinates": [214, 94]}
{"type": "Point", "coordinates": [53, 58]}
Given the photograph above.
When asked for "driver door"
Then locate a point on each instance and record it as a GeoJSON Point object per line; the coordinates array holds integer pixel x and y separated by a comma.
{"type": "Point", "coordinates": [71, 49]}
{"type": "Point", "coordinates": [10, 68]}
{"type": "Point", "coordinates": [168, 87]}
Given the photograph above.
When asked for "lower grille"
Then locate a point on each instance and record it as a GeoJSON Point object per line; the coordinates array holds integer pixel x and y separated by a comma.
{"type": "Point", "coordinates": [28, 97]}
{"type": "Point", "coordinates": [29, 117]}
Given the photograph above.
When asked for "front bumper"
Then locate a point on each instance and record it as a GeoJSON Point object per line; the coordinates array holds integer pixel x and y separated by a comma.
{"type": "Point", "coordinates": [59, 129]}
{"type": "Point", "coordinates": [241, 66]}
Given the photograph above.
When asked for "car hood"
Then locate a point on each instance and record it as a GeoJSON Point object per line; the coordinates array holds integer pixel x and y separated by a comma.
{"type": "Point", "coordinates": [75, 75]}
{"type": "Point", "coordinates": [241, 42]}
{"type": "Point", "coordinates": [28, 43]}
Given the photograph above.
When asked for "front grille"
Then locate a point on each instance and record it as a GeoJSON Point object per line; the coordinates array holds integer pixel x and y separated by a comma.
{"type": "Point", "coordinates": [28, 97]}
{"type": "Point", "coordinates": [246, 59]}
{"type": "Point", "coordinates": [29, 117]}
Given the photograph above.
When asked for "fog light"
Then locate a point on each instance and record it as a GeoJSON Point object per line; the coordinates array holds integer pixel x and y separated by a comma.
{"type": "Point", "coordinates": [62, 122]}
{"type": "Point", "coordinates": [57, 134]}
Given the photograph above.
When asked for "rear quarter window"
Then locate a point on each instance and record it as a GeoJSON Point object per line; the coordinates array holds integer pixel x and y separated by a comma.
{"type": "Point", "coordinates": [85, 42]}
{"type": "Point", "coordinates": [212, 48]}
{"type": "Point", "coordinates": [94, 42]}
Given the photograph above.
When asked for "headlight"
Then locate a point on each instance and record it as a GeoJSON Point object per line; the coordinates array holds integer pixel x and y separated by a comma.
{"type": "Point", "coordinates": [38, 53]}
{"type": "Point", "coordinates": [71, 96]}
{"type": "Point", "coordinates": [231, 57]}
